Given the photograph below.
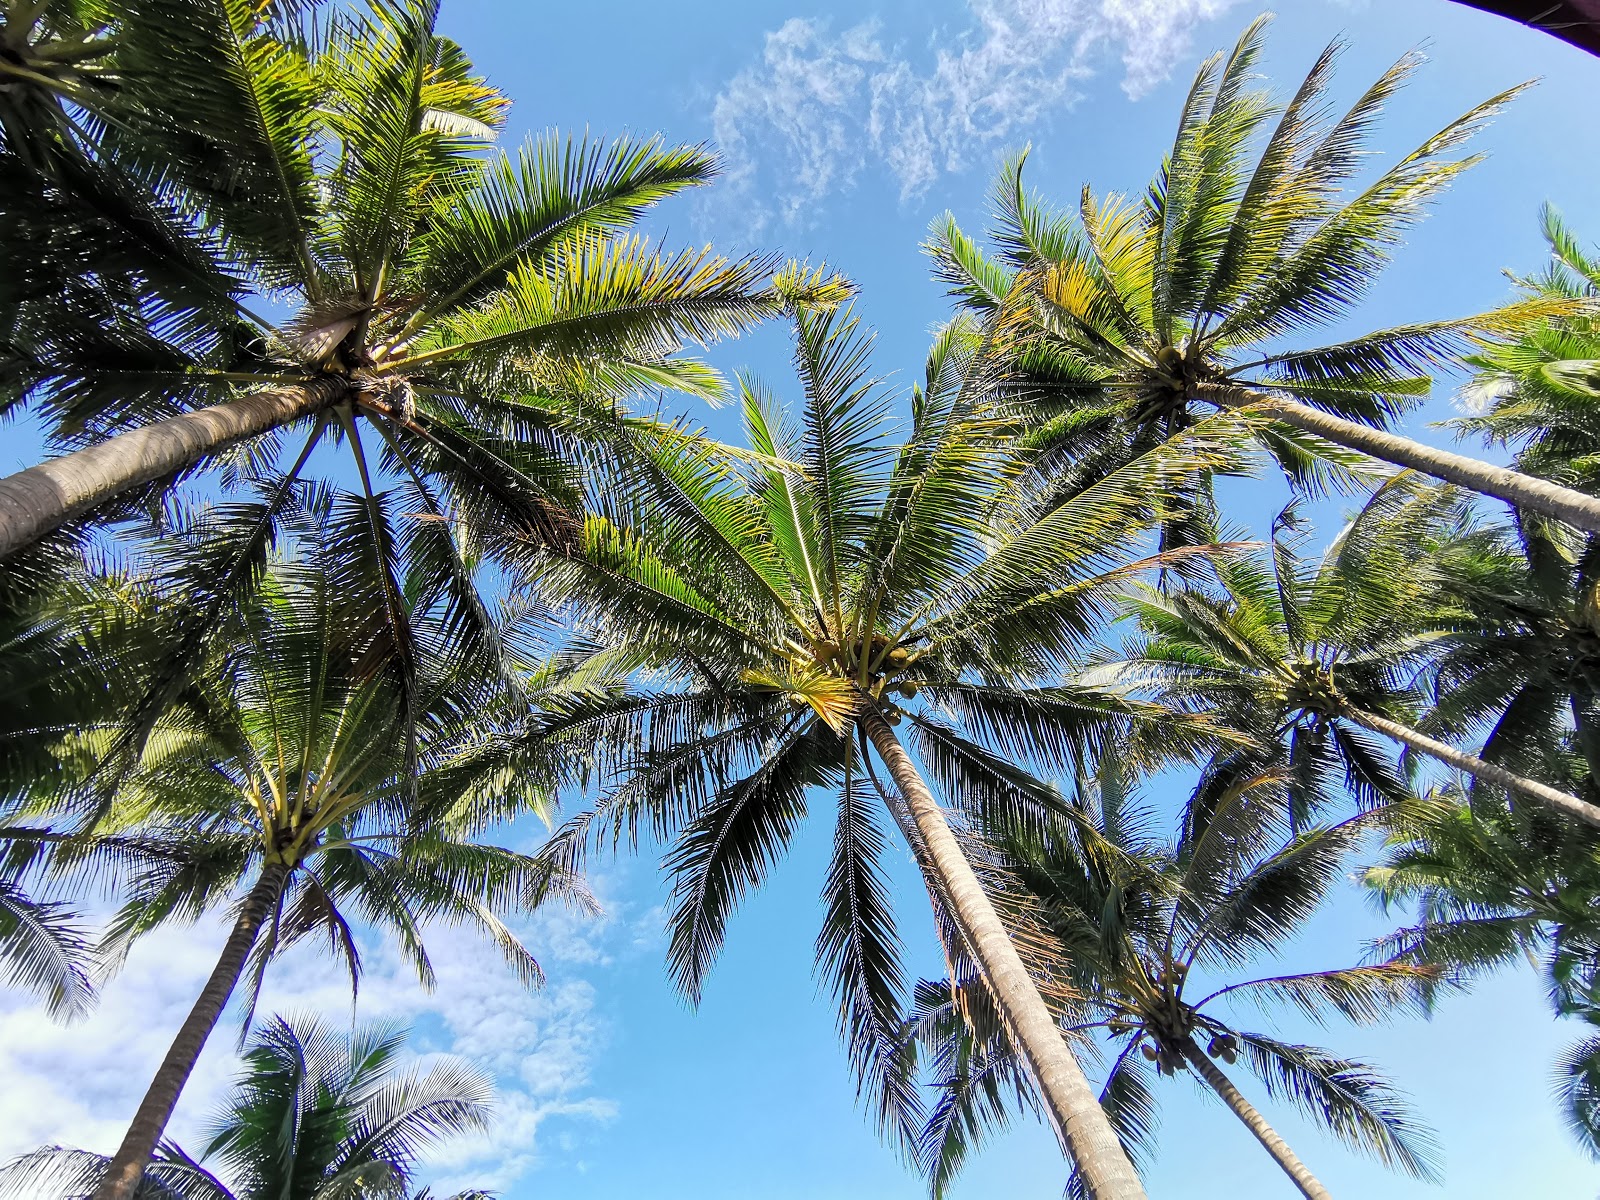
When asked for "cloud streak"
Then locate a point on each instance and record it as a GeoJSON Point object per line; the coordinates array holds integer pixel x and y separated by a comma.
{"type": "Point", "coordinates": [818, 108]}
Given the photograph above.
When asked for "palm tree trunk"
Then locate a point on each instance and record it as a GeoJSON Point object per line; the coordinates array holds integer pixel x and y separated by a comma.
{"type": "Point", "coordinates": [150, 1121]}
{"type": "Point", "coordinates": [1079, 1119]}
{"type": "Point", "coordinates": [1562, 802]}
{"type": "Point", "coordinates": [1577, 509]}
{"type": "Point", "coordinates": [41, 499]}
{"type": "Point", "coordinates": [1255, 1122]}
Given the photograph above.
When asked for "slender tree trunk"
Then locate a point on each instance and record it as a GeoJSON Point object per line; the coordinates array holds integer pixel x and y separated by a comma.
{"type": "Point", "coordinates": [1518, 490]}
{"type": "Point", "coordinates": [150, 1121]}
{"type": "Point", "coordinates": [41, 499]}
{"type": "Point", "coordinates": [1562, 802]}
{"type": "Point", "coordinates": [1078, 1117]}
{"type": "Point", "coordinates": [1255, 1122]}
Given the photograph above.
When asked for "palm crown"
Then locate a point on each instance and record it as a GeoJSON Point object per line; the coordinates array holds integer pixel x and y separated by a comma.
{"type": "Point", "coordinates": [304, 761]}
{"type": "Point", "coordinates": [313, 1116]}
{"type": "Point", "coordinates": [1149, 937]}
{"type": "Point", "coordinates": [790, 605]}
{"type": "Point", "coordinates": [1289, 649]}
{"type": "Point", "coordinates": [1540, 389]}
{"type": "Point", "coordinates": [1122, 323]}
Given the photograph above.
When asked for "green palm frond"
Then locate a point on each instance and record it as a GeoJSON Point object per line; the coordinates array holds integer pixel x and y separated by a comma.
{"type": "Point", "coordinates": [1357, 1105]}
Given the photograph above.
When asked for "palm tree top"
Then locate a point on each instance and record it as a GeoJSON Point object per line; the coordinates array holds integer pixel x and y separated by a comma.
{"type": "Point", "coordinates": [1151, 935]}
{"type": "Point", "coordinates": [1246, 237]}
{"type": "Point", "coordinates": [314, 1114]}
{"type": "Point", "coordinates": [1537, 387]}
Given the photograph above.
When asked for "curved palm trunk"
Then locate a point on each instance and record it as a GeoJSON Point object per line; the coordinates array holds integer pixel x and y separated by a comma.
{"type": "Point", "coordinates": [41, 499]}
{"type": "Point", "coordinates": [1562, 802]}
{"type": "Point", "coordinates": [1082, 1124]}
{"type": "Point", "coordinates": [1518, 490]}
{"type": "Point", "coordinates": [150, 1121]}
{"type": "Point", "coordinates": [1255, 1122]}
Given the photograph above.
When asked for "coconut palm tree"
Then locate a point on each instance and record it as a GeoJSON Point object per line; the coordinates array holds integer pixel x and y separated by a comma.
{"type": "Point", "coordinates": [1492, 884]}
{"type": "Point", "coordinates": [1314, 659]}
{"type": "Point", "coordinates": [299, 779]}
{"type": "Point", "coordinates": [440, 298]}
{"type": "Point", "coordinates": [1124, 322]}
{"type": "Point", "coordinates": [788, 609]}
{"type": "Point", "coordinates": [1539, 389]}
{"type": "Point", "coordinates": [1151, 937]}
{"type": "Point", "coordinates": [313, 1115]}
{"type": "Point", "coordinates": [1518, 660]}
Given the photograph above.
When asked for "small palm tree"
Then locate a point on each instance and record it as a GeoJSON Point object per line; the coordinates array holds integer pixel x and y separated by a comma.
{"type": "Point", "coordinates": [1493, 884]}
{"type": "Point", "coordinates": [1123, 323]}
{"type": "Point", "coordinates": [298, 769]}
{"type": "Point", "coordinates": [1518, 661]}
{"type": "Point", "coordinates": [1134, 923]}
{"type": "Point", "coordinates": [1540, 388]}
{"type": "Point", "coordinates": [787, 610]}
{"type": "Point", "coordinates": [445, 300]}
{"type": "Point", "coordinates": [314, 1115]}
{"type": "Point", "coordinates": [1310, 661]}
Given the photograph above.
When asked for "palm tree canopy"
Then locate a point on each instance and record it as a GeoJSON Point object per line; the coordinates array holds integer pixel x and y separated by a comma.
{"type": "Point", "coordinates": [1113, 318]}
{"type": "Point", "coordinates": [304, 743]}
{"type": "Point", "coordinates": [332, 166]}
{"type": "Point", "coordinates": [763, 600]}
{"type": "Point", "coordinates": [1518, 662]}
{"type": "Point", "coordinates": [1287, 647]}
{"type": "Point", "coordinates": [1539, 388]}
{"type": "Point", "coordinates": [313, 1115]}
{"type": "Point", "coordinates": [1491, 883]}
{"type": "Point", "coordinates": [1148, 935]}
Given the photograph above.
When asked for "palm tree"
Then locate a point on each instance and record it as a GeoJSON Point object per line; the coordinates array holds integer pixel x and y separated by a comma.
{"type": "Point", "coordinates": [787, 609]}
{"type": "Point", "coordinates": [314, 1115]}
{"type": "Point", "coordinates": [448, 298]}
{"type": "Point", "coordinates": [1540, 387]}
{"type": "Point", "coordinates": [1518, 662]}
{"type": "Point", "coordinates": [1310, 661]}
{"type": "Point", "coordinates": [1492, 884]}
{"type": "Point", "coordinates": [1134, 923]}
{"type": "Point", "coordinates": [1118, 326]}
{"type": "Point", "coordinates": [297, 768]}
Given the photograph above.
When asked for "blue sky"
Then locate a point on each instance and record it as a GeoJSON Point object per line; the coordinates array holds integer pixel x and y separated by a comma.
{"type": "Point", "coordinates": [847, 128]}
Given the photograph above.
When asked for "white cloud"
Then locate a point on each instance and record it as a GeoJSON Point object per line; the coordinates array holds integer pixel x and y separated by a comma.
{"type": "Point", "coordinates": [78, 1085]}
{"type": "Point", "coordinates": [818, 108]}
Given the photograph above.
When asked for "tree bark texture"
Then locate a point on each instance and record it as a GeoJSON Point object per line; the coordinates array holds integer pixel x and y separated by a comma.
{"type": "Point", "coordinates": [1072, 1103]}
{"type": "Point", "coordinates": [150, 1121]}
{"type": "Point", "coordinates": [1562, 802]}
{"type": "Point", "coordinates": [1578, 509]}
{"type": "Point", "coordinates": [1255, 1122]}
{"type": "Point", "coordinates": [42, 498]}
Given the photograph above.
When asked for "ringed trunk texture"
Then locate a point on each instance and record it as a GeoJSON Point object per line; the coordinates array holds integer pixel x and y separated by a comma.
{"type": "Point", "coordinates": [1562, 802]}
{"type": "Point", "coordinates": [1255, 1122]}
{"type": "Point", "coordinates": [42, 498]}
{"type": "Point", "coordinates": [150, 1121]}
{"type": "Point", "coordinates": [1072, 1103]}
{"type": "Point", "coordinates": [1577, 509]}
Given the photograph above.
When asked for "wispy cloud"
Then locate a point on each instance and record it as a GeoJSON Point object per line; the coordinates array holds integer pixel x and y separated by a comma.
{"type": "Point", "coordinates": [819, 107]}
{"type": "Point", "coordinates": [78, 1085]}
